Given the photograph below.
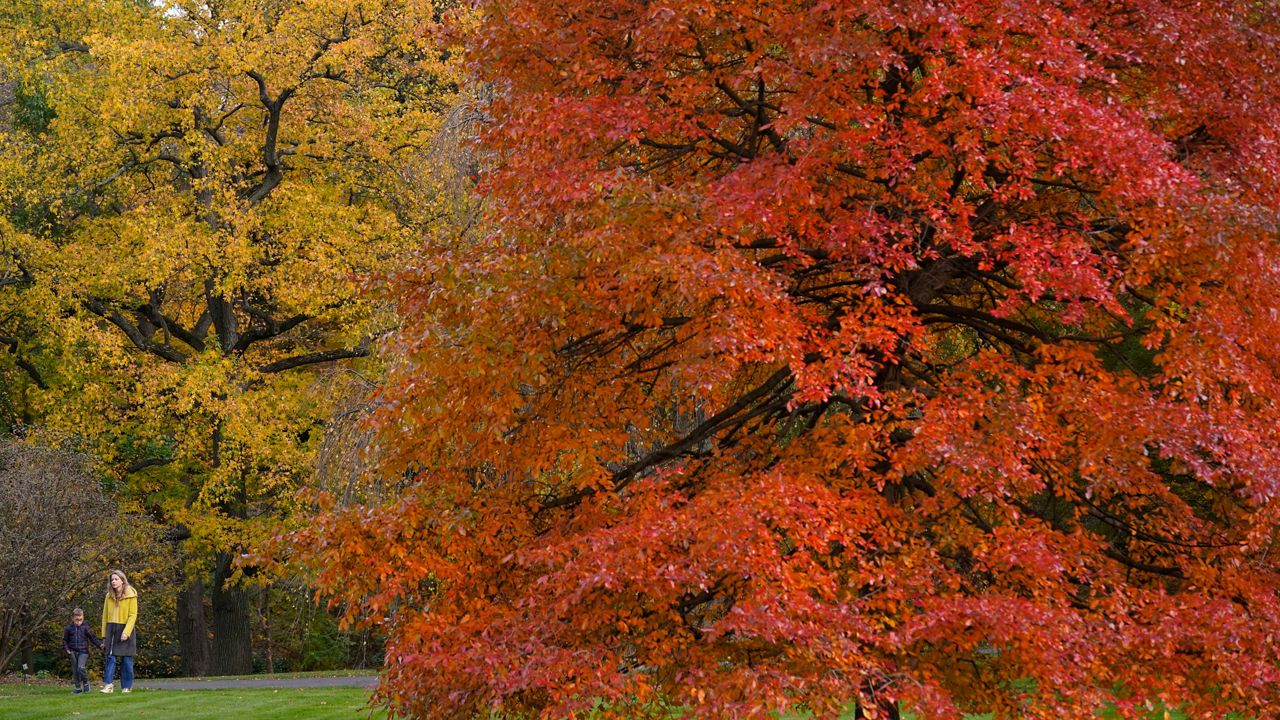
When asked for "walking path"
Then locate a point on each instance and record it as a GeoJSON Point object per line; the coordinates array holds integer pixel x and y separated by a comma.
{"type": "Point", "coordinates": [367, 681]}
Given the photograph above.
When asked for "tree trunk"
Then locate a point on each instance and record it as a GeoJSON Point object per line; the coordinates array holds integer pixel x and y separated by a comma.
{"type": "Point", "coordinates": [231, 649]}
{"type": "Point", "coordinates": [8, 648]}
{"type": "Point", "coordinates": [193, 632]}
{"type": "Point", "coordinates": [264, 612]}
{"type": "Point", "coordinates": [28, 656]}
{"type": "Point", "coordinates": [192, 627]}
{"type": "Point", "coordinates": [888, 710]}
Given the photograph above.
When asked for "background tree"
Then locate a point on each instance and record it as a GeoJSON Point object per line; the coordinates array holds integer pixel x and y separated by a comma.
{"type": "Point", "coordinates": [192, 212]}
{"type": "Point", "coordinates": [62, 534]}
{"type": "Point", "coordinates": [21, 112]}
{"type": "Point", "coordinates": [914, 352]}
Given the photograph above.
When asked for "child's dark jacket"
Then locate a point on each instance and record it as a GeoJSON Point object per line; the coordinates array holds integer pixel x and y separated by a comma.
{"type": "Point", "coordinates": [76, 638]}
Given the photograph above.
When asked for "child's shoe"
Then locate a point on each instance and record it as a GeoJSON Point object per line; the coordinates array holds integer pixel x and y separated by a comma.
{"type": "Point", "coordinates": [107, 688]}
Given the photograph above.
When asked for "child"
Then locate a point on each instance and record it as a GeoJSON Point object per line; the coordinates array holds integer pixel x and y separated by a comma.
{"type": "Point", "coordinates": [75, 640]}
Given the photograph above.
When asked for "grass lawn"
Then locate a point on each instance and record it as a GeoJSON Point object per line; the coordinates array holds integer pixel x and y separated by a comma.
{"type": "Point", "coordinates": [33, 702]}
{"type": "Point", "coordinates": [272, 676]}
{"type": "Point", "coordinates": [48, 701]}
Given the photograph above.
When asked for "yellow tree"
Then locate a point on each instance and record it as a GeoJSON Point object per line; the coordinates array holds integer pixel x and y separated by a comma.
{"type": "Point", "coordinates": [193, 194]}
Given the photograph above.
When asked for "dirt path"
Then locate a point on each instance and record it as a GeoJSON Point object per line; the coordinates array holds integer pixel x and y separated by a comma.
{"type": "Point", "coordinates": [250, 682]}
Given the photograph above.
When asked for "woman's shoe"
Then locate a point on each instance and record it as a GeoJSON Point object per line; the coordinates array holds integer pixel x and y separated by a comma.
{"type": "Point", "coordinates": [107, 688]}
{"type": "Point", "coordinates": [125, 690]}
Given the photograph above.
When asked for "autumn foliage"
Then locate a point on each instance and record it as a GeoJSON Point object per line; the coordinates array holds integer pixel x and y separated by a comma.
{"type": "Point", "coordinates": [914, 355]}
{"type": "Point", "coordinates": [192, 195]}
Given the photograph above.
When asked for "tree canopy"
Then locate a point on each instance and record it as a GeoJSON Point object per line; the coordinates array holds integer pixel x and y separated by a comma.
{"type": "Point", "coordinates": [193, 196]}
{"type": "Point", "coordinates": [918, 354]}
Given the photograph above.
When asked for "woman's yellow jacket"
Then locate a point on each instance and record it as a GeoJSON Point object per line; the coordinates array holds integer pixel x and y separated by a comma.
{"type": "Point", "coordinates": [124, 610]}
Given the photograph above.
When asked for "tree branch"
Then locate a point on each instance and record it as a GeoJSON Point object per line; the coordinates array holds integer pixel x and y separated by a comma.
{"type": "Point", "coordinates": [141, 465]}
{"type": "Point", "coordinates": [270, 154]}
{"type": "Point", "coordinates": [221, 315]}
{"type": "Point", "coordinates": [317, 357]}
{"type": "Point", "coordinates": [132, 332]}
{"type": "Point", "coordinates": [702, 432]}
{"type": "Point", "coordinates": [270, 326]}
{"type": "Point", "coordinates": [23, 363]}
{"type": "Point", "coordinates": [1123, 559]}
{"type": "Point", "coordinates": [172, 327]}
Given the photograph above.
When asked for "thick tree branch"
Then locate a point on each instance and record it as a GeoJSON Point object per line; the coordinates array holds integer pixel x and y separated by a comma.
{"type": "Point", "coordinates": [23, 363]}
{"type": "Point", "coordinates": [963, 314]}
{"type": "Point", "coordinates": [270, 152]}
{"type": "Point", "coordinates": [24, 276]}
{"type": "Point", "coordinates": [222, 316]}
{"type": "Point", "coordinates": [141, 465]}
{"type": "Point", "coordinates": [1165, 570]}
{"type": "Point", "coordinates": [132, 332]}
{"type": "Point", "coordinates": [72, 46]}
{"type": "Point", "coordinates": [195, 342]}
{"type": "Point", "coordinates": [695, 437]}
{"type": "Point", "coordinates": [317, 357]}
{"type": "Point", "coordinates": [201, 330]}
{"type": "Point", "coordinates": [269, 328]}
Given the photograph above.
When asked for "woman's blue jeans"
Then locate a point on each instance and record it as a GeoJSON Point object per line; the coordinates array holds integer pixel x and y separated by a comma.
{"type": "Point", "coordinates": [126, 671]}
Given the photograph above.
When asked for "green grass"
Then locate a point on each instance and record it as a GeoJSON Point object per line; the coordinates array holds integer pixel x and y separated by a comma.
{"type": "Point", "coordinates": [55, 702]}
{"type": "Point", "coordinates": [30, 702]}
{"type": "Point", "coordinates": [272, 676]}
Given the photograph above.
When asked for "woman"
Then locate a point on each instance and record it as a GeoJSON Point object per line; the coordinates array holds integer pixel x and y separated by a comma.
{"type": "Point", "coordinates": [119, 615]}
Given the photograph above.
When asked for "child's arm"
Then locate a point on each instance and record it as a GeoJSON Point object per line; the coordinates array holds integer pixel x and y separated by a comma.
{"type": "Point", "coordinates": [66, 639]}
{"type": "Point", "coordinates": [93, 638]}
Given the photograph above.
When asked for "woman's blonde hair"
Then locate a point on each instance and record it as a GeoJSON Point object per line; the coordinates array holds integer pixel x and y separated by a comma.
{"type": "Point", "coordinates": [124, 584]}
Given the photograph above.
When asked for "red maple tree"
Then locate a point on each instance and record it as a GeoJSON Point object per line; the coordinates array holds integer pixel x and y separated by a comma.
{"type": "Point", "coordinates": [918, 354]}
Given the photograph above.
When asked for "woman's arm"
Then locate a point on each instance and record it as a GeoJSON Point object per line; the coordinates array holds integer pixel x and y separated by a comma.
{"type": "Point", "coordinates": [131, 616]}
